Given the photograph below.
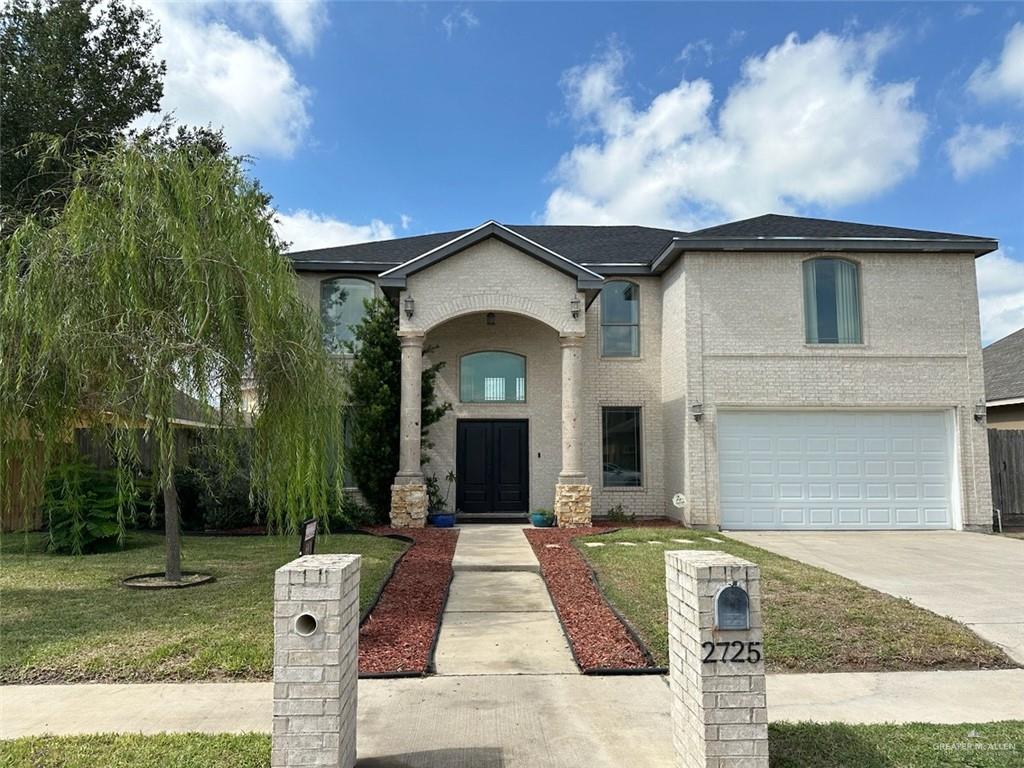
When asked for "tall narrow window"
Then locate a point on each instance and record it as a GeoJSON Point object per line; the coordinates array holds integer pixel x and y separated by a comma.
{"type": "Point", "coordinates": [341, 308]}
{"type": "Point", "coordinates": [831, 302]}
{"type": "Point", "coordinates": [620, 319]}
{"type": "Point", "coordinates": [620, 445]}
{"type": "Point", "coordinates": [492, 377]}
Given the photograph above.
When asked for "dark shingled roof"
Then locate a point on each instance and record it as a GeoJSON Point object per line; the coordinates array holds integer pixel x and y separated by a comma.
{"type": "Point", "coordinates": [627, 245]}
{"type": "Point", "coordinates": [775, 225]}
{"type": "Point", "coordinates": [584, 245]}
{"type": "Point", "coordinates": [1004, 367]}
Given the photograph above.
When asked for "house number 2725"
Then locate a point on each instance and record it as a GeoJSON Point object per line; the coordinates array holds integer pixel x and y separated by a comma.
{"type": "Point", "coordinates": [737, 650]}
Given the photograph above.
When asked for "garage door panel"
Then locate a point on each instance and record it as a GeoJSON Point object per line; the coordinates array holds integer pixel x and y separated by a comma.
{"type": "Point", "coordinates": [781, 469]}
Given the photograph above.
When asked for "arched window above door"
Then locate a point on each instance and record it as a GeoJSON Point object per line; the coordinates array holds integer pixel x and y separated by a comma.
{"type": "Point", "coordinates": [492, 377]}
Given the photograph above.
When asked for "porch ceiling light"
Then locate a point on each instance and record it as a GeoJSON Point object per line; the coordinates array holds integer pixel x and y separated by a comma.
{"type": "Point", "coordinates": [410, 306]}
{"type": "Point", "coordinates": [574, 307]}
{"type": "Point", "coordinates": [491, 319]}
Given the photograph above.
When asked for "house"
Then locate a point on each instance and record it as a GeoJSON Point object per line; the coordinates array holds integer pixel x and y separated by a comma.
{"type": "Point", "coordinates": [1004, 381]}
{"type": "Point", "coordinates": [777, 372]}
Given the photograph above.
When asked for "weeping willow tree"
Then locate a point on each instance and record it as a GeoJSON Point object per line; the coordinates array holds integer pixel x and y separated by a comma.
{"type": "Point", "coordinates": [162, 276]}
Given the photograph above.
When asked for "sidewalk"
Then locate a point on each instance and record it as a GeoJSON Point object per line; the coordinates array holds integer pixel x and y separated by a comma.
{"type": "Point", "coordinates": [508, 710]}
{"type": "Point", "coordinates": [499, 619]}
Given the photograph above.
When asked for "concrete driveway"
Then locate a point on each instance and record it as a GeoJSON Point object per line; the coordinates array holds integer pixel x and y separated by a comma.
{"type": "Point", "coordinates": [971, 577]}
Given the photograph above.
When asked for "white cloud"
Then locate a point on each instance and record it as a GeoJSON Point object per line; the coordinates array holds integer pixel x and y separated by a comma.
{"type": "Point", "coordinates": [807, 123]}
{"type": "Point", "coordinates": [968, 10]}
{"type": "Point", "coordinates": [1004, 79]}
{"type": "Point", "coordinates": [702, 49]}
{"type": "Point", "coordinates": [1000, 294]}
{"type": "Point", "coordinates": [302, 21]}
{"type": "Point", "coordinates": [305, 230]}
{"type": "Point", "coordinates": [974, 148]}
{"type": "Point", "coordinates": [459, 17]}
{"type": "Point", "coordinates": [405, 220]}
{"type": "Point", "coordinates": [216, 75]}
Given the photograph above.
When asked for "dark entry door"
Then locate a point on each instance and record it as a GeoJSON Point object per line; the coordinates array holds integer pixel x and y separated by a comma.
{"type": "Point", "coordinates": [492, 466]}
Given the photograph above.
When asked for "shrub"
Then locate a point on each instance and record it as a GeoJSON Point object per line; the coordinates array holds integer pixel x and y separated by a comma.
{"type": "Point", "coordinates": [375, 389]}
{"type": "Point", "coordinates": [81, 507]}
{"type": "Point", "coordinates": [220, 480]}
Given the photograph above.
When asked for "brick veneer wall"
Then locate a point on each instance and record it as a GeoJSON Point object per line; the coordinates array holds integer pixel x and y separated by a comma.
{"type": "Point", "coordinates": [314, 722]}
{"type": "Point", "coordinates": [719, 711]}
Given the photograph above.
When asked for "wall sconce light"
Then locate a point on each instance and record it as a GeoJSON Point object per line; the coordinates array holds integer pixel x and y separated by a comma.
{"type": "Point", "coordinates": [410, 306]}
{"type": "Point", "coordinates": [491, 319]}
{"type": "Point", "coordinates": [980, 411]}
{"type": "Point", "coordinates": [697, 411]}
{"type": "Point", "coordinates": [574, 307]}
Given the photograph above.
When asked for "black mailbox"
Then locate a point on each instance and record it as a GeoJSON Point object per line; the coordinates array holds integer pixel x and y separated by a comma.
{"type": "Point", "coordinates": [732, 607]}
{"type": "Point", "coordinates": [307, 538]}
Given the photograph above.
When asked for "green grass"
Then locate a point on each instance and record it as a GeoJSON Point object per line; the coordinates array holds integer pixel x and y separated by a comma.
{"type": "Point", "coordinates": [790, 745]}
{"type": "Point", "coordinates": [815, 621]}
{"type": "Point", "coordinates": [67, 618]}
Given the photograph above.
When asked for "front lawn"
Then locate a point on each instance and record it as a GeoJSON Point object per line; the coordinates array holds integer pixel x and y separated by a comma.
{"type": "Point", "coordinates": [67, 618]}
{"type": "Point", "coordinates": [815, 621]}
{"type": "Point", "coordinates": [790, 745]}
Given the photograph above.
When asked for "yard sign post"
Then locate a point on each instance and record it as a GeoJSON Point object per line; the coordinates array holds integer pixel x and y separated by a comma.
{"type": "Point", "coordinates": [716, 663]}
{"type": "Point", "coordinates": [316, 659]}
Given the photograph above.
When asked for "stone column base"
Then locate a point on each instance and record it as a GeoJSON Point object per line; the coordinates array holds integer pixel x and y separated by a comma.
{"type": "Point", "coordinates": [572, 505]}
{"type": "Point", "coordinates": [409, 505]}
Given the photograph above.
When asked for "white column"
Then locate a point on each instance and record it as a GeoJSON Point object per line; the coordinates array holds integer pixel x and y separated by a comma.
{"type": "Point", "coordinates": [572, 403]}
{"type": "Point", "coordinates": [409, 470]}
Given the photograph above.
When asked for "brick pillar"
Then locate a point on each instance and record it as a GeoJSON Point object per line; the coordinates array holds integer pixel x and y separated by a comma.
{"type": "Point", "coordinates": [316, 659]}
{"type": "Point", "coordinates": [719, 714]}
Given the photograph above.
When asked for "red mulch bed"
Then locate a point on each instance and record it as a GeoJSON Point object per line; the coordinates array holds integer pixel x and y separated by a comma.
{"type": "Point", "coordinates": [599, 639]}
{"type": "Point", "coordinates": [398, 635]}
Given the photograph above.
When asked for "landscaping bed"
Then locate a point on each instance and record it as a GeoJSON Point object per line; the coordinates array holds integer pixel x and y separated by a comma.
{"type": "Point", "coordinates": [815, 621]}
{"type": "Point", "coordinates": [599, 640]}
{"type": "Point", "coordinates": [399, 635]}
{"type": "Point", "coordinates": [790, 745]}
{"type": "Point", "coordinates": [68, 619]}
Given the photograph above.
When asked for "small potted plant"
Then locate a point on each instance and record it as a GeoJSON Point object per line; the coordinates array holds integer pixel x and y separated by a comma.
{"type": "Point", "coordinates": [439, 516]}
{"type": "Point", "coordinates": [542, 518]}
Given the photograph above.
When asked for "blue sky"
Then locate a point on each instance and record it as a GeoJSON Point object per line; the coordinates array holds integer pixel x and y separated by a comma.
{"type": "Point", "coordinates": [376, 120]}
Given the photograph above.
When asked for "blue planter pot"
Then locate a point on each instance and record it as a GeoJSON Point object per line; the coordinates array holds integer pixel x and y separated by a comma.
{"type": "Point", "coordinates": [541, 521]}
{"type": "Point", "coordinates": [441, 519]}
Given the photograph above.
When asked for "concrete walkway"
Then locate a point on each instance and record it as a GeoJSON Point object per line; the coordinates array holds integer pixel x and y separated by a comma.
{"type": "Point", "coordinates": [966, 576]}
{"type": "Point", "coordinates": [607, 718]}
{"type": "Point", "coordinates": [499, 619]}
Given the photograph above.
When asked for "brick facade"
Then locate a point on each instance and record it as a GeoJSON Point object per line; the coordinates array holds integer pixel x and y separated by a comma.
{"type": "Point", "coordinates": [725, 330]}
{"type": "Point", "coordinates": [316, 659]}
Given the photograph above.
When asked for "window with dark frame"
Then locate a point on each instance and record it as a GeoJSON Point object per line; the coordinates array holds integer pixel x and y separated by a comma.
{"type": "Point", "coordinates": [341, 309]}
{"type": "Point", "coordinates": [492, 377]}
{"type": "Point", "coordinates": [832, 302]}
{"type": "Point", "coordinates": [621, 447]}
{"type": "Point", "coordinates": [620, 319]}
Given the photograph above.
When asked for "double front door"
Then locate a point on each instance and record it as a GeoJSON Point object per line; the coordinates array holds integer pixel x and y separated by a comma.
{"type": "Point", "coordinates": [492, 466]}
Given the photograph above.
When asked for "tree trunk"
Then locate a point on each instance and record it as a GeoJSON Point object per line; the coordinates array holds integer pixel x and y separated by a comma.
{"type": "Point", "coordinates": [172, 535]}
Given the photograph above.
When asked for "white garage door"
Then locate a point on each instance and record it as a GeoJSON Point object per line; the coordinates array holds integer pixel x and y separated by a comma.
{"type": "Point", "coordinates": [834, 469]}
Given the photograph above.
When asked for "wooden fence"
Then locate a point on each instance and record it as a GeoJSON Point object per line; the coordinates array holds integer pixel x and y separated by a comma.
{"type": "Point", "coordinates": [1006, 460]}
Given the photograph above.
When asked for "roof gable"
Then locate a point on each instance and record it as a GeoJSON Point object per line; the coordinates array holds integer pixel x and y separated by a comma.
{"type": "Point", "coordinates": [396, 276]}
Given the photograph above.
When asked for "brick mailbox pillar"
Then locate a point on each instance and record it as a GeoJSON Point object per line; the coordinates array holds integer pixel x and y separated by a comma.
{"type": "Point", "coordinates": [316, 658]}
{"type": "Point", "coordinates": [716, 662]}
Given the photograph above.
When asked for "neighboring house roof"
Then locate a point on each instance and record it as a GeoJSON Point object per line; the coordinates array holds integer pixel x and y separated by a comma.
{"type": "Point", "coordinates": [646, 250]}
{"type": "Point", "coordinates": [1004, 369]}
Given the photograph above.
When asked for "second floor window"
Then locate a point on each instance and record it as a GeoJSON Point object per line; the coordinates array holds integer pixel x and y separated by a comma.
{"type": "Point", "coordinates": [831, 302]}
{"type": "Point", "coordinates": [341, 308]}
{"type": "Point", "coordinates": [492, 377]}
{"type": "Point", "coordinates": [620, 319]}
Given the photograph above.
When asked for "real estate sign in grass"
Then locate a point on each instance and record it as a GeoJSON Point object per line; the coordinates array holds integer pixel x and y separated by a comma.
{"type": "Point", "coordinates": [790, 745]}
{"type": "Point", "coordinates": [68, 618]}
{"type": "Point", "coordinates": [815, 621]}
